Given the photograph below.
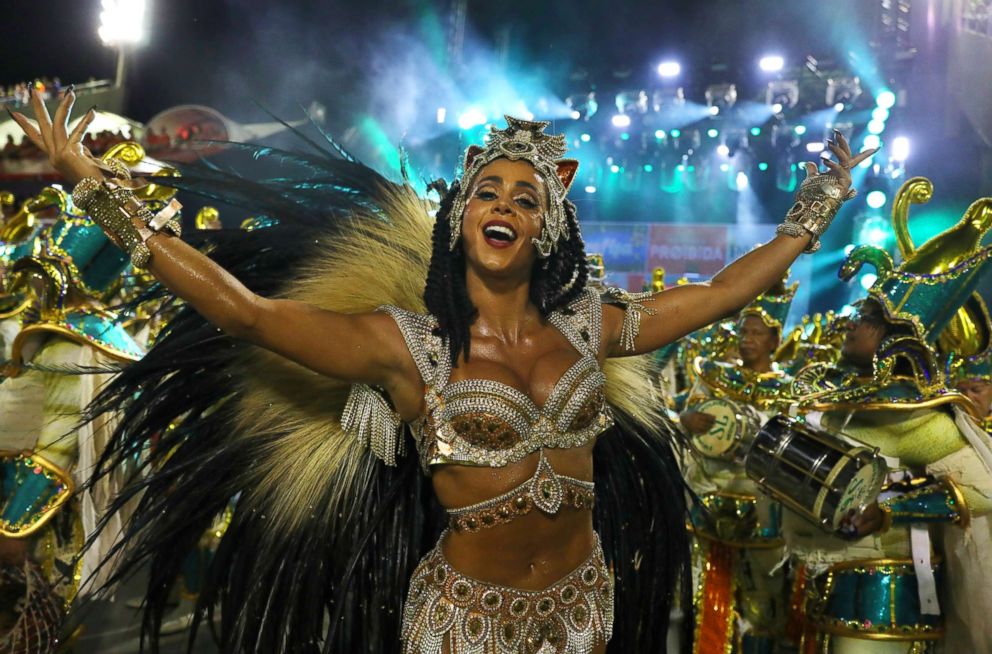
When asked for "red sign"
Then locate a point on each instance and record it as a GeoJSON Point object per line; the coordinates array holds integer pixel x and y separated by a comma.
{"type": "Point", "coordinates": [688, 249]}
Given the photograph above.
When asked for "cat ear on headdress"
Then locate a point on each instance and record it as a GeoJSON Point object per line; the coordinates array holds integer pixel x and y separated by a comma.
{"type": "Point", "coordinates": [566, 169]}
{"type": "Point", "coordinates": [470, 155]}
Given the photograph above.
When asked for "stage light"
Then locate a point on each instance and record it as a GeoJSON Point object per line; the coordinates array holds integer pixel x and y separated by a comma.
{"type": "Point", "coordinates": [723, 150]}
{"type": "Point", "coordinates": [800, 130]}
{"type": "Point", "coordinates": [868, 280]}
{"type": "Point", "coordinates": [900, 148]}
{"type": "Point", "coordinates": [723, 96]}
{"type": "Point", "coordinates": [876, 127]}
{"type": "Point", "coordinates": [625, 136]}
{"type": "Point", "coordinates": [848, 249]}
{"type": "Point", "coordinates": [771, 63]}
{"type": "Point", "coordinates": [714, 111]}
{"type": "Point", "coordinates": [886, 99]}
{"type": "Point", "coordinates": [842, 92]}
{"type": "Point", "coordinates": [576, 115]}
{"type": "Point", "coordinates": [880, 113]}
{"type": "Point", "coordinates": [585, 138]}
{"type": "Point", "coordinates": [875, 231]}
{"type": "Point", "coordinates": [839, 107]}
{"type": "Point", "coordinates": [777, 108]}
{"type": "Point", "coordinates": [614, 168]}
{"type": "Point", "coordinates": [763, 166]}
{"type": "Point", "coordinates": [742, 181]}
{"type": "Point", "coordinates": [621, 120]}
{"type": "Point", "coordinates": [590, 189]}
{"type": "Point", "coordinates": [725, 167]}
{"type": "Point", "coordinates": [712, 132]}
{"type": "Point", "coordinates": [471, 117]}
{"type": "Point", "coordinates": [782, 94]}
{"type": "Point", "coordinates": [872, 141]}
{"type": "Point", "coordinates": [680, 168]}
{"type": "Point", "coordinates": [442, 115]}
{"type": "Point", "coordinates": [876, 200]}
{"type": "Point", "coordinates": [648, 168]}
{"type": "Point", "coordinates": [122, 22]}
{"type": "Point", "coordinates": [755, 131]}
{"type": "Point", "coordinates": [669, 69]}
{"type": "Point", "coordinates": [659, 133]}
{"type": "Point", "coordinates": [675, 133]}
{"type": "Point", "coordinates": [815, 147]}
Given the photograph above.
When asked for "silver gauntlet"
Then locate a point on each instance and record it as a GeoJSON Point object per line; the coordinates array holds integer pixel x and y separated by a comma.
{"type": "Point", "coordinates": [817, 202]}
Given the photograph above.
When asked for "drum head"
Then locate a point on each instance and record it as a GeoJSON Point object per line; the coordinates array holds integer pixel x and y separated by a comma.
{"type": "Point", "coordinates": [861, 490]}
{"type": "Point", "coordinates": [725, 435]}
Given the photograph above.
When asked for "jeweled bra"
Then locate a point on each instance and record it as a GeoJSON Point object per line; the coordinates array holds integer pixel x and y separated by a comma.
{"type": "Point", "coordinates": [480, 422]}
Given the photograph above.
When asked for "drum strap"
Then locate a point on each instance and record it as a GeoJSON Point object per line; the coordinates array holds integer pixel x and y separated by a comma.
{"type": "Point", "coordinates": [926, 584]}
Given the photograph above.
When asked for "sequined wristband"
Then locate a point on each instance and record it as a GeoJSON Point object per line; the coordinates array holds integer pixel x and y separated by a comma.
{"type": "Point", "coordinates": [97, 200]}
{"type": "Point", "coordinates": [935, 502]}
{"type": "Point", "coordinates": [818, 200]}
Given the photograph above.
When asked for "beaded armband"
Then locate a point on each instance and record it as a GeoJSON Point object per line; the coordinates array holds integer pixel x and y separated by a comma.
{"type": "Point", "coordinates": [818, 200]}
{"type": "Point", "coordinates": [929, 502]}
{"type": "Point", "coordinates": [369, 417]}
{"type": "Point", "coordinates": [633, 307]}
{"type": "Point", "coordinates": [97, 201]}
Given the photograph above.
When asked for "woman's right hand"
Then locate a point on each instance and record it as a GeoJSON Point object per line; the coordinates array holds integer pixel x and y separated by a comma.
{"type": "Point", "coordinates": [65, 151]}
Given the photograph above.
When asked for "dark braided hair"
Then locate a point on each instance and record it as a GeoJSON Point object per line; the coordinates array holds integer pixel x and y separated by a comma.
{"type": "Point", "coordinates": [555, 281]}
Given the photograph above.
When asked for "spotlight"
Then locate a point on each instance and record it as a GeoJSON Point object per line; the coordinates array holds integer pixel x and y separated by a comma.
{"type": "Point", "coordinates": [621, 120]}
{"type": "Point", "coordinates": [771, 63]}
{"type": "Point", "coordinates": [886, 99]}
{"type": "Point", "coordinates": [665, 98]}
{"type": "Point", "coordinates": [784, 92]}
{"type": "Point", "coordinates": [585, 138]}
{"type": "Point", "coordinates": [755, 131]}
{"type": "Point", "coordinates": [122, 22]}
{"type": "Point", "coordinates": [614, 168]}
{"type": "Point", "coordinates": [876, 200]}
{"type": "Point", "coordinates": [880, 113]}
{"type": "Point", "coordinates": [722, 96]}
{"type": "Point", "coordinates": [712, 132]}
{"type": "Point", "coordinates": [648, 168]}
{"type": "Point", "coordinates": [576, 115]}
{"type": "Point", "coordinates": [714, 111]}
{"type": "Point", "coordinates": [675, 133]}
{"type": "Point", "coordinates": [724, 167]}
{"type": "Point", "coordinates": [669, 69]}
{"type": "Point", "coordinates": [723, 150]}
{"type": "Point", "coordinates": [742, 181]}
{"type": "Point", "coordinates": [659, 134]}
{"type": "Point", "coordinates": [472, 117]}
{"type": "Point", "coordinates": [777, 108]}
{"type": "Point", "coordinates": [839, 107]}
{"type": "Point", "coordinates": [900, 148]}
{"type": "Point", "coordinates": [590, 189]}
{"type": "Point", "coordinates": [843, 91]}
{"type": "Point", "coordinates": [876, 126]}
{"type": "Point", "coordinates": [763, 166]}
{"type": "Point", "coordinates": [625, 136]}
{"type": "Point", "coordinates": [848, 249]}
{"type": "Point", "coordinates": [872, 141]}
{"type": "Point", "coordinates": [680, 168]}
{"type": "Point", "coordinates": [868, 280]}
{"type": "Point", "coordinates": [815, 147]}
{"type": "Point", "coordinates": [442, 115]}
{"type": "Point", "coordinates": [799, 130]}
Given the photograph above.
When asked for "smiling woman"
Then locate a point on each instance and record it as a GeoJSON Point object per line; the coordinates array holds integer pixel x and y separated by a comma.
{"type": "Point", "coordinates": [506, 372]}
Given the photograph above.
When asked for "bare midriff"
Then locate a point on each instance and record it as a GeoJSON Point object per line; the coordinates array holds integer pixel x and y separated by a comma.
{"type": "Point", "coordinates": [532, 551]}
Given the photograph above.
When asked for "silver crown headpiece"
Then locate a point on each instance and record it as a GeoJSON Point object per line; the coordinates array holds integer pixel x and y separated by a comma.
{"type": "Point", "coordinates": [523, 139]}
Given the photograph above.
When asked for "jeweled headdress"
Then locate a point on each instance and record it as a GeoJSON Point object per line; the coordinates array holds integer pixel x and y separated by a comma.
{"type": "Point", "coordinates": [773, 305]}
{"type": "Point", "coordinates": [526, 140]}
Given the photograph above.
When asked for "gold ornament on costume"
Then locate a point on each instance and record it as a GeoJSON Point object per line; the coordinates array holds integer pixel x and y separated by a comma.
{"type": "Point", "coordinates": [208, 218]}
{"type": "Point", "coordinates": [657, 280]}
{"type": "Point", "coordinates": [967, 334]}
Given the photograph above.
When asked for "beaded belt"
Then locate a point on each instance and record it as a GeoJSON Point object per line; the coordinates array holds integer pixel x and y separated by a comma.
{"type": "Point", "coordinates": [546, 490]}
{"type": "Point", "coordinates": [572, 616]}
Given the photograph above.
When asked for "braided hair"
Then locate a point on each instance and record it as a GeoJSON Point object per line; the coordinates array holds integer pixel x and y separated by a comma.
{"type": "Point", "coordinates": [555, 281]}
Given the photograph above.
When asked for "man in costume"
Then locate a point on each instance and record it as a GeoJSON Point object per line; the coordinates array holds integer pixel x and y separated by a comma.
{"type": "Point", "coordinates": [973, 378]}
{"type": "Point", "coordinates": [739, 601]}
{"type": "Point", "coordinates": [66, 337]}
{"type": "Point", "coordinates": [877, 591]}
{"type": "Point", "coordinates": [490, 351]}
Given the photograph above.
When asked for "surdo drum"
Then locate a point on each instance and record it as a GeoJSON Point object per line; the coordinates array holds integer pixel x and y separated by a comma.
{"type": "Point", "coordinates": [811, 471]}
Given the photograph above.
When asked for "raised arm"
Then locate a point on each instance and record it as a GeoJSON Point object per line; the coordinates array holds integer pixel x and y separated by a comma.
{"type": "Point", "coordinates": [673, 313]}
{"type": "Point", "coordinates": [352, 347]}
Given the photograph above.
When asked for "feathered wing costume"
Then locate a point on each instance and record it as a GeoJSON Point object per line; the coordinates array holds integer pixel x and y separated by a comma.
{"type": "Point", "coordinates": [325, 535]}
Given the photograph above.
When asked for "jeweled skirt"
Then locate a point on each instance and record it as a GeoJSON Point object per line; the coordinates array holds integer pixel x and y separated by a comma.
{"type": "Point", "coordinates": [572, 616]}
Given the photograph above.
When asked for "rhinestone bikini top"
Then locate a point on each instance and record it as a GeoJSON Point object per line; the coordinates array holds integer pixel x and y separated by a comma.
{"type": "Point", "coordinates": [480, 422]}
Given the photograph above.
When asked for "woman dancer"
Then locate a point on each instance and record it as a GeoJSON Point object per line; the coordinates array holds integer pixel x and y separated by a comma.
{"type": "Point", "coordinates": [500, 382]}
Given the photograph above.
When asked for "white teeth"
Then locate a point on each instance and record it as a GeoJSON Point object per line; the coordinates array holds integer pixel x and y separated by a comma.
{"type": "Point", "coordinates": [500, 229]}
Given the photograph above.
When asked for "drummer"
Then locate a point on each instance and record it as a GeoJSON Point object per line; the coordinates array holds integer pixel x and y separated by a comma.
{"type": "Point", "coordinates": [973, 377]}
{"type": "Point", "coordinates": [882, 586]}
{"type": "Point", "coordinates": [739, 545]}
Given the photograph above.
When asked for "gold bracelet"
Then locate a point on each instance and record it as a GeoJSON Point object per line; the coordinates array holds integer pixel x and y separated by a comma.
{"type": "Point", "coordinates": [99, 203]}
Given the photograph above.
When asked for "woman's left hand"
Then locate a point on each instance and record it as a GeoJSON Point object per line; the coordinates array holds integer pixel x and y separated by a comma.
{"type": "Point", "coordinates": [841, 169]}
